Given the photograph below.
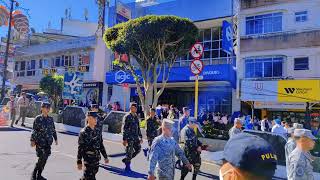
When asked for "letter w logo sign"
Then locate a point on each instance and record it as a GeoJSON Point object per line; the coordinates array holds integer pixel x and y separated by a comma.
{"type": "Point", "coordinates": [289, 90]}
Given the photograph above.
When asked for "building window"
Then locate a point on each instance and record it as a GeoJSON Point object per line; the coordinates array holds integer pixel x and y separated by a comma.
{"type": "Point", "coordinates": [20, 68]}
{"type": "Point", "coordinates": [84, 63]}
{"type": "Point", "coordinates": [31, 68]}
{"type": "Point", "coordinates": [58, 62]}
{"type": "Point", "coordinates": [261, 24]}
{"type": "Point", "coordinates": [264, 67]}
{"type": "Point", "coordinates": [301, 16]}
{"type": "Point", "coordinates": [301, 63]}
{"type": "Point", "coordinates": [68, 61]}
{"type": "Point", "coordinates": [211, 39]}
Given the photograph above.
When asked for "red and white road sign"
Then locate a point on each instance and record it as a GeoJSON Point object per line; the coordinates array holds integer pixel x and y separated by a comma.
{"type": "Point", "coordinates": [196, 66]}
{"type": "Point", "coordinates": [196, 50]}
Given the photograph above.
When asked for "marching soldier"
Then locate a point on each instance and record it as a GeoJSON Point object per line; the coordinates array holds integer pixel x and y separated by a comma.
{"type": "Point", "coordinates": [192, 148]}
{"type": "Point", "coordinates": [100, 118]}
{"type": "Point", "coordinates": [132, 137]}
{"type": "Point", "coordinates": [152, 128]}
{"type": "Point", "coordinates": [89, 149]}
{"type": "Point", "coordinates": [163, 152]}
{"type": "Point", "coordinates": [300, 159]}
{"type": "Point", "coordinates": [42, 138]}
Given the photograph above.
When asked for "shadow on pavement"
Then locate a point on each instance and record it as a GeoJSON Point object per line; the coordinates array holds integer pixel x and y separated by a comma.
{"type": "Point", "coordinates": [210, 176]}
{"type": "Point", "coordinates": [121, 172]}
{"type": "Point", "coordinates": [117, 155]}
{"type": "Point", "coordinates": [69, 133]}
{"type": "Point", "coordinates": [13, 129]}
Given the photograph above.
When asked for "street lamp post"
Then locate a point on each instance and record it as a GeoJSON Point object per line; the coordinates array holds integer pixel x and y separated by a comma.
{"type": "Point", "coordinates": [7, 51]}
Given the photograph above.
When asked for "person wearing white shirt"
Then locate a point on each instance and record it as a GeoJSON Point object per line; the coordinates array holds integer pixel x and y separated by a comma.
{"type": "Point", "coordinates": [277, 128]}
{"type": "Point", "coordinates": [264, 124]}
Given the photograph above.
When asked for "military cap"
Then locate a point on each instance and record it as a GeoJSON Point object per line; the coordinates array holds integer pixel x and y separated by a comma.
{"type": "Point", "coordinates": [95, 106]}
{"type": "Point", "coordinates": [295, 126]}
{"type": "Point", "coordinates": [45, 105]}
{"type": "Point", "coordinates": [92, 113]}
{"type": "Point", "coordinates": [304, 133]}
{"type": "Point", "coordinates": [134, 104]}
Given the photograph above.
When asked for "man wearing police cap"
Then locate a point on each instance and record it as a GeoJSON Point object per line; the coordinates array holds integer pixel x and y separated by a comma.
{"type": "Point", "coordinates": [42, 137]}
{"type": "Point", "coordinates": [90, 145]}
{"type": "Point", "coordinates": [132, 137]}
{"type": "Point", "coordinates": [291, 144]}
{"type": "Point", "coordinates": [248, 157]}
{"type": "Point", "coordinates": [192, 148]}
{"type": "Point", "coordinates": [300, 159]}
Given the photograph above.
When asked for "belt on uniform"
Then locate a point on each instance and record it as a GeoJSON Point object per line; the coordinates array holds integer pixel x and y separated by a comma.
{"type": "Point", "coordinates": [90, 152]}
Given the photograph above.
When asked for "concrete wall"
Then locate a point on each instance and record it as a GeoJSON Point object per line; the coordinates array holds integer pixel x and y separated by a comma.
{"type": "Point", "coordinates": [78, 28]}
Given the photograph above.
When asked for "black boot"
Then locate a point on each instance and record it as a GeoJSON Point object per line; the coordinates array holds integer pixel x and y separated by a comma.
{"type": "Point", "coordinates": [40, 177]}
{"type": "Point", "coordinates": [194, 177]}
{"type": "Point", "coordinates": [34, 175]}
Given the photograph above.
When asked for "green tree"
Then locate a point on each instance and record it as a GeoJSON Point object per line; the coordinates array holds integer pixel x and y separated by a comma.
{"type": "Point", "coordinates": [152, 43]}
{"type": "Point", "coordinates": [53, 86]}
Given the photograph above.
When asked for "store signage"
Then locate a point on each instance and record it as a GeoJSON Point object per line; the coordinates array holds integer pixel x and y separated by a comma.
{"type": "Point", "coordinates": [227, 37]}
{"type": "Point", "coordinates": [278, 105]}
{"type": "Point", "coordinates": [91, 85]}
{"type": "Point", "coordinates": [265, 91]}
{"type": "Point", "coordinates": [83, 68]}
{"type": "Point", "coordinates": [299, 91]}
{"type": "Point", "coordinates": [121, 76]}
{"type": "Point", "coordinates": [223, 72]}
{"type": "Point", "coordinates": [281, 91]}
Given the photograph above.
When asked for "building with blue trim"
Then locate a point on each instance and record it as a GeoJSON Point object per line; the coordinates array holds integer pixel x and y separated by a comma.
{"type": "Point", "coordinates": [217, 89]}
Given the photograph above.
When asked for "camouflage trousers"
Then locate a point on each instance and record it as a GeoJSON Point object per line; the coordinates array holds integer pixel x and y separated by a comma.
{"type": "Point", "coordinates": [90, 171]}
{"type": "Point", "coordinates": [43, 154]}
{"type": "Point", "coordinates": [132, 150]}
{"type": "Point", "coordinates": [194, 159]}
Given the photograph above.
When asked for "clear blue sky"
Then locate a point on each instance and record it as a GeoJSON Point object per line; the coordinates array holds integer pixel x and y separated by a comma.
{"type": "Point", "coordinates": [43, 11]}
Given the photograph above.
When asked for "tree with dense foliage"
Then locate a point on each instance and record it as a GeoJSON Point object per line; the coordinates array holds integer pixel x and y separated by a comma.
{"type": "Point", "coordinates": [53, 86]}
{"type": "Point", "coordinates": [152, 45]}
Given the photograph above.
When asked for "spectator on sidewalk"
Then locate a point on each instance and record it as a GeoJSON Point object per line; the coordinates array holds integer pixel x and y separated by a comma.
{"type": "Point", "coordinates": [184, 120]}
{"type": "Point", "coordinates": [12, 105]}
{"type": "Point", "coordinates": [265, 124]}
{"type": "Point", "coordinates": [23, 103]}
{"type": "Point", "coordinates": [277, 128]}
{"type": "Point", "coordinates": [236, 129]}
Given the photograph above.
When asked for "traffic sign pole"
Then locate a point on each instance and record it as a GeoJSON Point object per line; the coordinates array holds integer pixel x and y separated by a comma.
{"type": "Point", "coordinates": [196, 97]}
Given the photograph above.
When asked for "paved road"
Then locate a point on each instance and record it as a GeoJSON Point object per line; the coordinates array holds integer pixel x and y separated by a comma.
{"type": "Point", "coordinates": [17, 160]}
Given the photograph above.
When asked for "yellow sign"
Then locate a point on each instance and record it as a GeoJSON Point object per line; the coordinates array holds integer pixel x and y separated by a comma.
{"type": "Point", "coordinates": [299, 90]}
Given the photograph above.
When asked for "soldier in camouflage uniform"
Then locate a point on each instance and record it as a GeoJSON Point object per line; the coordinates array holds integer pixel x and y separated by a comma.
{"type": "Point", "coordinates": [42, 137]}
{"type": "Point", "coordinates": [132, 137]}
{"type": "Point", "coordinates": [89, 149]}
{"type": "Point", "coordinates": [192, 148]}
{"type": "Point", "coordinates": [152, 128]}
{"type": "Point", "coordinates": [100, 118]}
{"type": "Point", "coordinates": [162, 155]}
{"type": "Point", "coordinates": [300, 159]}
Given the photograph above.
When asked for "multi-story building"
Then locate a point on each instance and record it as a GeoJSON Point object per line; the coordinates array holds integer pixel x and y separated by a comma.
{"type": "Point", "coordinates": [217, 89]}
{"type": "Point", "coordinates": [74, 47]}
{"type": "Point", "coordinates": [280, 44]}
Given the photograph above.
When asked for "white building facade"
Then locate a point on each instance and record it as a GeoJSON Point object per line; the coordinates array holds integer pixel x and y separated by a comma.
{"type": "Point", "coordinates": [83, 51]}
{"type": "Point", "coordinates": [280, 40]}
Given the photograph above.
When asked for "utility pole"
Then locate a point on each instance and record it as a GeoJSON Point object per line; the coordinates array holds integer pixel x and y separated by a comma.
{"type": "Point", "coordinates": [4, 78]}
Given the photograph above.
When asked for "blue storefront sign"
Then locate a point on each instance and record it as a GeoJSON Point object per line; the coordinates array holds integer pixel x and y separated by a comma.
{"type": "Point", "coordinates": [227, 37]}
{"type": "Point", "coordinates": [223, 72]}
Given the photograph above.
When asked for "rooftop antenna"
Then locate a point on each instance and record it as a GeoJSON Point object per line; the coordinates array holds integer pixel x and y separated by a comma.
{"type": "Point", "coordinates": [66, 12]}
{"type": "Point", "coordinates": [69, 15]}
